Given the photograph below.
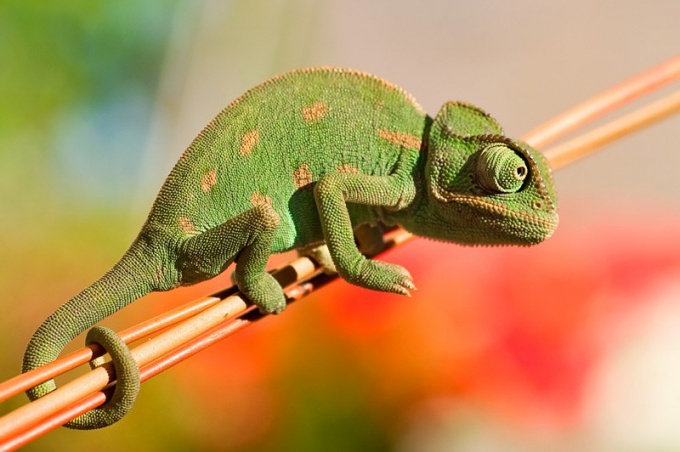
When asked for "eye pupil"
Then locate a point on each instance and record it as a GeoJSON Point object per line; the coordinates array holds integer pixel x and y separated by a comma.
{"type": "Point", "coordinates": [501, 169]}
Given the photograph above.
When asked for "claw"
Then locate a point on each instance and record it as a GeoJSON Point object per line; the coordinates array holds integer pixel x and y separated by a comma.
{"type": "Point", "coordinates": [400, 290]}
{"type": "Point", "coordinates": [409, 284]}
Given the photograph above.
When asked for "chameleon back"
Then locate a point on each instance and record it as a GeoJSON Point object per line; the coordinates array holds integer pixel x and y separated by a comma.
{"type": "Point", "coordinates": [272, 143]}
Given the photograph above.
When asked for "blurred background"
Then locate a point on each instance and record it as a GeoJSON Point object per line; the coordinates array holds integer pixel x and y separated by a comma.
{"type": "Point", "coordinates": [571, 345]}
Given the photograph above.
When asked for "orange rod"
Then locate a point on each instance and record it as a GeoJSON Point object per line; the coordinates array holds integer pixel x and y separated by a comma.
{"type": "Point", "coordinates": [588, 143]}
{"type": "Point", "coordinates": [601, 104]}
{"type": "Point", "coordinates": [25, 381]}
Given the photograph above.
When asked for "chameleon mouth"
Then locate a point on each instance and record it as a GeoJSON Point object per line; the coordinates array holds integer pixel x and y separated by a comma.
{"type": "Point", "coordinates": [522, 228]}
{"type": "Point", "coordinates": [550, 223]}
{"type": "Point", "coordinates": [544, 217]}
{"type": "Point", "coordinates": [518, 227]}
{"type": "Point", "coordinates": [543, 228]}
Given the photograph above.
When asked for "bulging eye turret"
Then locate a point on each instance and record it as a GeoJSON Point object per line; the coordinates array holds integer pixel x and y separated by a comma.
{"type": "Point", "coordinates": [501, 169]}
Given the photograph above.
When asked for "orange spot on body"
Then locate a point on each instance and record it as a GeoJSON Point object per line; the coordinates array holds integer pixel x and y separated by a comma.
{"type": "Point", "coordinates": [186, 226]}
{"type": "Point", "coordinates": [258, 198]}
{"type": "Point", "coordinates": [400, 138]}
{"type": "Point", "coordinates": [302, 176]}
{"type": "Point", "coordinates": [347, 168]}
{"type": "Point", "coordinates": [208, 181]}
{"type": "Point", "coordinates": [249, 141]}
{"type": "Point", "coordinates": [314, 112]}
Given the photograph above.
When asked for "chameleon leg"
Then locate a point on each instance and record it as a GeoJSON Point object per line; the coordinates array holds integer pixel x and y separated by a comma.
{"type": "Point", "coordinates": [248, 238]}
{"type": "Point", "coordinates": [332, 193]}
{"type": "Point", "coordinates": [127, 382]}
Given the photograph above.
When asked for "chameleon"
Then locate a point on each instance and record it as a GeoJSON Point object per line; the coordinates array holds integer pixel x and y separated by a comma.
{"type": "Point", "coordinates": [299, 162]}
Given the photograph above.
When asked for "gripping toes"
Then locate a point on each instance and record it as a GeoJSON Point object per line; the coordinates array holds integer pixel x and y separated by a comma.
{"type": "Point", "coordinates": [379, 275]}
{"type": "Point", "coordinates": [266, 294]}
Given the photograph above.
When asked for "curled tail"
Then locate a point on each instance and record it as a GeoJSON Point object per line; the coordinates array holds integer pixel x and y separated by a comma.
{"type": "Point", "coordinates": [128, 280]}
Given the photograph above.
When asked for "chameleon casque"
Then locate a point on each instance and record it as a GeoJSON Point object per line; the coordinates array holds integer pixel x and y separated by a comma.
{"type": "Point", "coordinates": [298, 162]}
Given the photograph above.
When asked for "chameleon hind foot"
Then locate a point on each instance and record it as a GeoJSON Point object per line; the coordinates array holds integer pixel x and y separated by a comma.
{"type": "Point", "coordinates": [246, 238]}
{"type": "Point", "coordinates": [127, 382]}
{"type": "Point", "coordinates": [264, 291]}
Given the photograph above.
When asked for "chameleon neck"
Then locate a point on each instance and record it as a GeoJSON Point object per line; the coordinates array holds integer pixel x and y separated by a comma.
{"type": "Point", "coordinates": [127, 281]}
{"type": "Point", "coordinates": [408, 216]}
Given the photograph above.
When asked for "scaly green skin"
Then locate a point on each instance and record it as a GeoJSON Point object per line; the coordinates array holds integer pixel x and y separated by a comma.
{"type": "Point", "coordinates": [300, 161]}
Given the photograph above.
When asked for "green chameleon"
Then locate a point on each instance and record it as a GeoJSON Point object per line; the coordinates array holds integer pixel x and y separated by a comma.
{"type": "Point", "coordinates": [298, 162]}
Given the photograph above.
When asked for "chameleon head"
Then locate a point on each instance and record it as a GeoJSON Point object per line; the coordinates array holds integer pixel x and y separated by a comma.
{"type": "Point", "coordinates": [484, 187]}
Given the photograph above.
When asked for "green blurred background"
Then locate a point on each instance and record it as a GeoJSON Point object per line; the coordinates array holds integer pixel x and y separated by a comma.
{"type": "Point", "coordinates": [569, 345]}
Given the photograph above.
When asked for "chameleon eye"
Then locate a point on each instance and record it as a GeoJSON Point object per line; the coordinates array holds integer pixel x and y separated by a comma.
{"type": "Point", "coordinates": [501, 170]}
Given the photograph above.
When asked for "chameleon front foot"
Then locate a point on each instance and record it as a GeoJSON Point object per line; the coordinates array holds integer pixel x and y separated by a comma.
{"type": "Point", "coordinates": [383, 276]}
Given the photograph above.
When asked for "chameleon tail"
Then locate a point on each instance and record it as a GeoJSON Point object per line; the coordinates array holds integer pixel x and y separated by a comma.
{"type": "Point", "coordinates": [128, 280]}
